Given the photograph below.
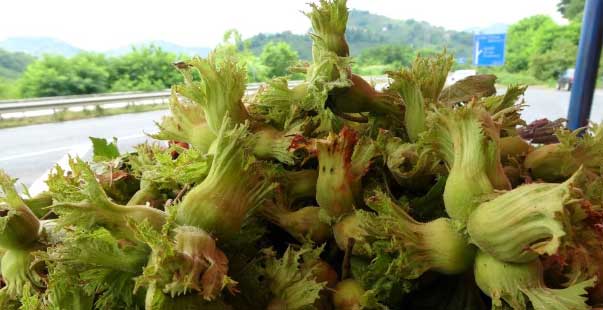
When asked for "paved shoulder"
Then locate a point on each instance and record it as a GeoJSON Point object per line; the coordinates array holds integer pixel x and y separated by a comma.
{"type": "Point", "coordinates": [27, 152]}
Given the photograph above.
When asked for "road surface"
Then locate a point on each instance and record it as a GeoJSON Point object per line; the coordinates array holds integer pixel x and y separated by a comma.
{"type": "Point", "coordinates": [28, 152]}
{"type": "Point", "coordinates": [553, 104]}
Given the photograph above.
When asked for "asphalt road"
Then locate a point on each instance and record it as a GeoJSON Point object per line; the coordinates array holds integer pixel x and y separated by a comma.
{"type": "Point", "coordinates": [553, 104]}
{"type": "Point", "coordinates": [28, 152]}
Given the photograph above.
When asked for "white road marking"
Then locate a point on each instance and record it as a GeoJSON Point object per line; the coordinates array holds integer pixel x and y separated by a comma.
{"type": "Point", "coordinates": [58, 149]}
{"type": "Point", "coordinates": [37, 153]}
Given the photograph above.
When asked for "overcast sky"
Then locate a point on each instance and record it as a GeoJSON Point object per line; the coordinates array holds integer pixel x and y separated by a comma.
{"type": "Point", "coordinates": [105, 24]}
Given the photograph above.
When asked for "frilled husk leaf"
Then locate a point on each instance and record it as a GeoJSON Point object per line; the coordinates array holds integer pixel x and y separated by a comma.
{"type": "Point", "coordinates": [519, 285]}
{"type": "Point", "coordinates": [525, 222]}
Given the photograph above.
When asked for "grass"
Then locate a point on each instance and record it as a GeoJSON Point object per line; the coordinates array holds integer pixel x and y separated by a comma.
{"type": "Point", "coordinates": [65, 115]}
{"type": "Point", "coordinates": [506, 78]}
{"type": "Point", "coordinates": [8, 89]}
{"type": "Point", "coordinates": [373, 69]}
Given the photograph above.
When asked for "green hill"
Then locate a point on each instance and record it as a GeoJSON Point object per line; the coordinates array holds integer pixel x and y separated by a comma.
{"type": "Point", "coordinates": [164, 45]}
{"type": "Point", "coordinates": [13, 64]}
{"type": "Point", "coordinates": [367, 30]}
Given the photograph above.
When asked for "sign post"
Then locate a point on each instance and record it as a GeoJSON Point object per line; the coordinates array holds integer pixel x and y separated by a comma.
{"type": "Point", "coordinates": [585, 77]}
{"type": "Point", "coordinates": [489, 50]}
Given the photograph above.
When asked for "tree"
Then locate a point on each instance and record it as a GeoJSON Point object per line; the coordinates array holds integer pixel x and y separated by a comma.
{"type": "Point", "coordinates": [144, 68]}
{"type": "Point", "coordinates": [8, 89]}
{"type": "Point", "coordinates": [13, 64]}
{"type": "Point", "coordinates": [571, 9]}
{"type": "Point", "coordinates": [55, 75]}
{"type": "Point", "coordinates": [551, 64]}
{"type": "Point", "coordinates": [526, 38]}
{"type": "Point", "coordinates": [301, 43]}
{"type": "Point", "coordinates": [278, 57]}
{"type": "Point", "coordinates": [389, 54]}
{"type": "Point", "coordinates": [555, 50]}
{"type": "Point", "coordinates": [538, 45]}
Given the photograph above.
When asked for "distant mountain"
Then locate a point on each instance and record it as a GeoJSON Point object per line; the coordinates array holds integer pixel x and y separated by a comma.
{"type": "Point", "coordinates": [164, 45]}
{"type": "Point", "coordinates": [366, 30]}
{"type": "Point", "coordinates": [38, 46]}
{"type": "Point", "coordinates": [301, 43]}
{"type": "Point", "coordinates": [492, 29]}
{"type": "Point", "coordinates": [12, 64]}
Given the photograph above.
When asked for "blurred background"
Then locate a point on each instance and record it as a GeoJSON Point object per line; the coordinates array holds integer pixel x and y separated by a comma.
{"type": "Point", "coordinates": [63, 47]}
{"type": "Point", "coordinates": [116, 58]}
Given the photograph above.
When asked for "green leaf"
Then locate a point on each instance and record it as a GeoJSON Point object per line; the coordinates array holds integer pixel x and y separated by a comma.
{"type": "Point", "coordinates": [518, 284]}
{"type": "Point", "coordinates": [88, 205]}
{"type": "Point", "coordinates": [383, 283]}
{"type": "Point", "coordinates": [103, 150]}
{"type": "Point", "coordinates": [30, 300]}
{"type": "Point", "coordinates": [289, 282]}
{"type": "Point", "coordinates": [105, 266]}
{"type": "Point", "coordinates": [61, 293]}
{"type": "Point", "coordinates": [6, 302]}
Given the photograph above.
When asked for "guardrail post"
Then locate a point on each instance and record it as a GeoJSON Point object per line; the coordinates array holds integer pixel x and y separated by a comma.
{"type": "Point", "coordinates": [587, 64]}
{"type": "Point", "coordinates": [98, 101]}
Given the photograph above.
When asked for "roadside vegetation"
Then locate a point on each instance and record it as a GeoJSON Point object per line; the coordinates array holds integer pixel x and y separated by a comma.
{"type": "Point", "coordinates": [538, 51]}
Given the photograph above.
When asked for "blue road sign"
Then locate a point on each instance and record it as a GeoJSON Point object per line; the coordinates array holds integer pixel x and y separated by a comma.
{"type": "Point", "coordinates": [489, 49]}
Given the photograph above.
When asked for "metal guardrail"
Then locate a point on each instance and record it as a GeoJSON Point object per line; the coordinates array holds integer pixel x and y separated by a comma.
{"type": "Point", "coordinates": [52, 103]}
